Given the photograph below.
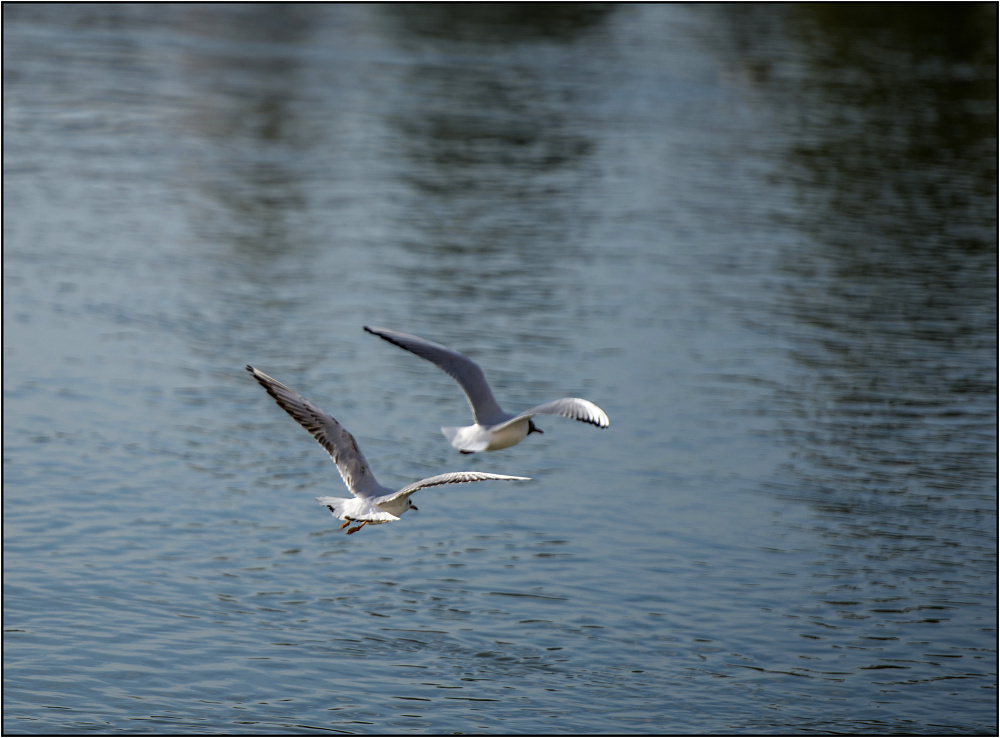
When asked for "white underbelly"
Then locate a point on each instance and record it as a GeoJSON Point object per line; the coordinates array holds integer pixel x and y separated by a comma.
{"type": "Point", "coordinates": [508, 435]}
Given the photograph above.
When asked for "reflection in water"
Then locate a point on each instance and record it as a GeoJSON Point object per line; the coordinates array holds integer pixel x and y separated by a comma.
{"type": "Point", "coordinates": [897, 292]}
{"type": "Point", "coordinates": [498, 23]}
{"type": "Point", "coordinates": [244, 112]}
{"type": "Point", "coordinates": [893, 283]}
{"type": "Point", "coordinates": [250, 132]}
{"type": "Point", "coordinates": [888, 304]}
{"type": "Point", "coordinates": [494, 167]}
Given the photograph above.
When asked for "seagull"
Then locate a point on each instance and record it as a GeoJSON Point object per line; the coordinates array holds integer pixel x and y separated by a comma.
{"type": "Point", "coordinates": [372, 502]}
{"type": "Point", "coordinates": [494, 428]}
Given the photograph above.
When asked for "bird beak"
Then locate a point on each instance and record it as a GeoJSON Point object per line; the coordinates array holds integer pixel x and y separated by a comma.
{"type": "Point", "coordinates": [532, 428]}
{"type": "Point", "coordinates": [412, 506]}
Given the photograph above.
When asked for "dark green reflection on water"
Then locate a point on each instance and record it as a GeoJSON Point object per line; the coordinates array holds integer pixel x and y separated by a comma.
{"type": "Point", "coordinates": [894, 162]}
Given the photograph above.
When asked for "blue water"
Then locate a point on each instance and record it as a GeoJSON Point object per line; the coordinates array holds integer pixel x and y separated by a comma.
{"type": "Point", "coordinates": [762, 239]}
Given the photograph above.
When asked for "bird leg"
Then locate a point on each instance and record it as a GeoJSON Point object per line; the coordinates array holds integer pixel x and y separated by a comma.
{"type": "Point", "coordinates": [356, 528]}
{"type": "Point", "coordinates": [347, 522]}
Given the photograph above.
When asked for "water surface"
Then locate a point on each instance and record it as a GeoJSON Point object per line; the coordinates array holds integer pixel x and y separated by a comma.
{"type": "Point", "coordinates": [762, 239]}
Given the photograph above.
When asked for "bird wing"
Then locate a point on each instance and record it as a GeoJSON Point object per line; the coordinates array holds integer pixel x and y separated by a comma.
{"type": "Point", "coordinates": [331, 435]}
{"type": "Point", "coordinates": [448, 478]}
{"type": "Point", "coordinates": [568, 407]}
{"type": "Point", "coordinates": [458, 366]}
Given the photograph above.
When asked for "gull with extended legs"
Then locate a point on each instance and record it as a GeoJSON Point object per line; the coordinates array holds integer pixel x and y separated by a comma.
{"type": "Point", "coordinates": [372, 503]}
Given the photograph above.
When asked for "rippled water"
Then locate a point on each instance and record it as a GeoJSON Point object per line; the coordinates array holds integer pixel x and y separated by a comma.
{"type": "Point", "coordinates": [762, 239]}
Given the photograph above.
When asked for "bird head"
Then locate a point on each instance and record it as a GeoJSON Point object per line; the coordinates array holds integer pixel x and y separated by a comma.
{"type": "Point", "coordinates": [532, 428]}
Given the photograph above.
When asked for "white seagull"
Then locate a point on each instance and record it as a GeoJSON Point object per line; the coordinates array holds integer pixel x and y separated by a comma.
{"type": "Point", "coordinates": [372, 502]}
{"type": "Point", "coordinates": [494, 428]}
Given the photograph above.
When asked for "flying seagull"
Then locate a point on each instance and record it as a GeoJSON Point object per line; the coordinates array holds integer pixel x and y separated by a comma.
{"type": "Point", "coordinates": [494, 428]}
{"type": "Point", "coordinates": [372, 503]}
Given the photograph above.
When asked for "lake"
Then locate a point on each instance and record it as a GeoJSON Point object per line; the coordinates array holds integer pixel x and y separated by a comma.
{"type": "Point", "coordinates": [762, 238]}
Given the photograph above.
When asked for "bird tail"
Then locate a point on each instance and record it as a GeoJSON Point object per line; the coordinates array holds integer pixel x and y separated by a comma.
{"type": "Point", "coordinates": [356, 509]}
{"type": "Point", "coordinates": [465, 440]}
{"type": "Point", "coordinates": [335, 505]}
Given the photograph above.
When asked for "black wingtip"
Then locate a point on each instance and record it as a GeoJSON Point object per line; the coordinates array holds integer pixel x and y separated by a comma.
{"type": "Point", "coordinates": [250, 369]}
{"type": "Point", "coordinates": [391, 340]}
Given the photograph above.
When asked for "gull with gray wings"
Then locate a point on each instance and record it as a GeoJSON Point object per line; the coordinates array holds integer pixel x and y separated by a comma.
{"type": "Point", "coordinates": [494, 429]}
{"type": "Point", "coordinates": [372, 503]}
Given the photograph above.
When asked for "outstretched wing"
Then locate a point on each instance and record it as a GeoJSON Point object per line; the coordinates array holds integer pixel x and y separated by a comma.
{"type": "Point", "coordinates": [331, 435]}
{"type": "Point", "coordinates": [449, 478]}
{"type": "Point", "coordinates": [568, 407]}
{"type": "Point", "coordinates": [458, 366]}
